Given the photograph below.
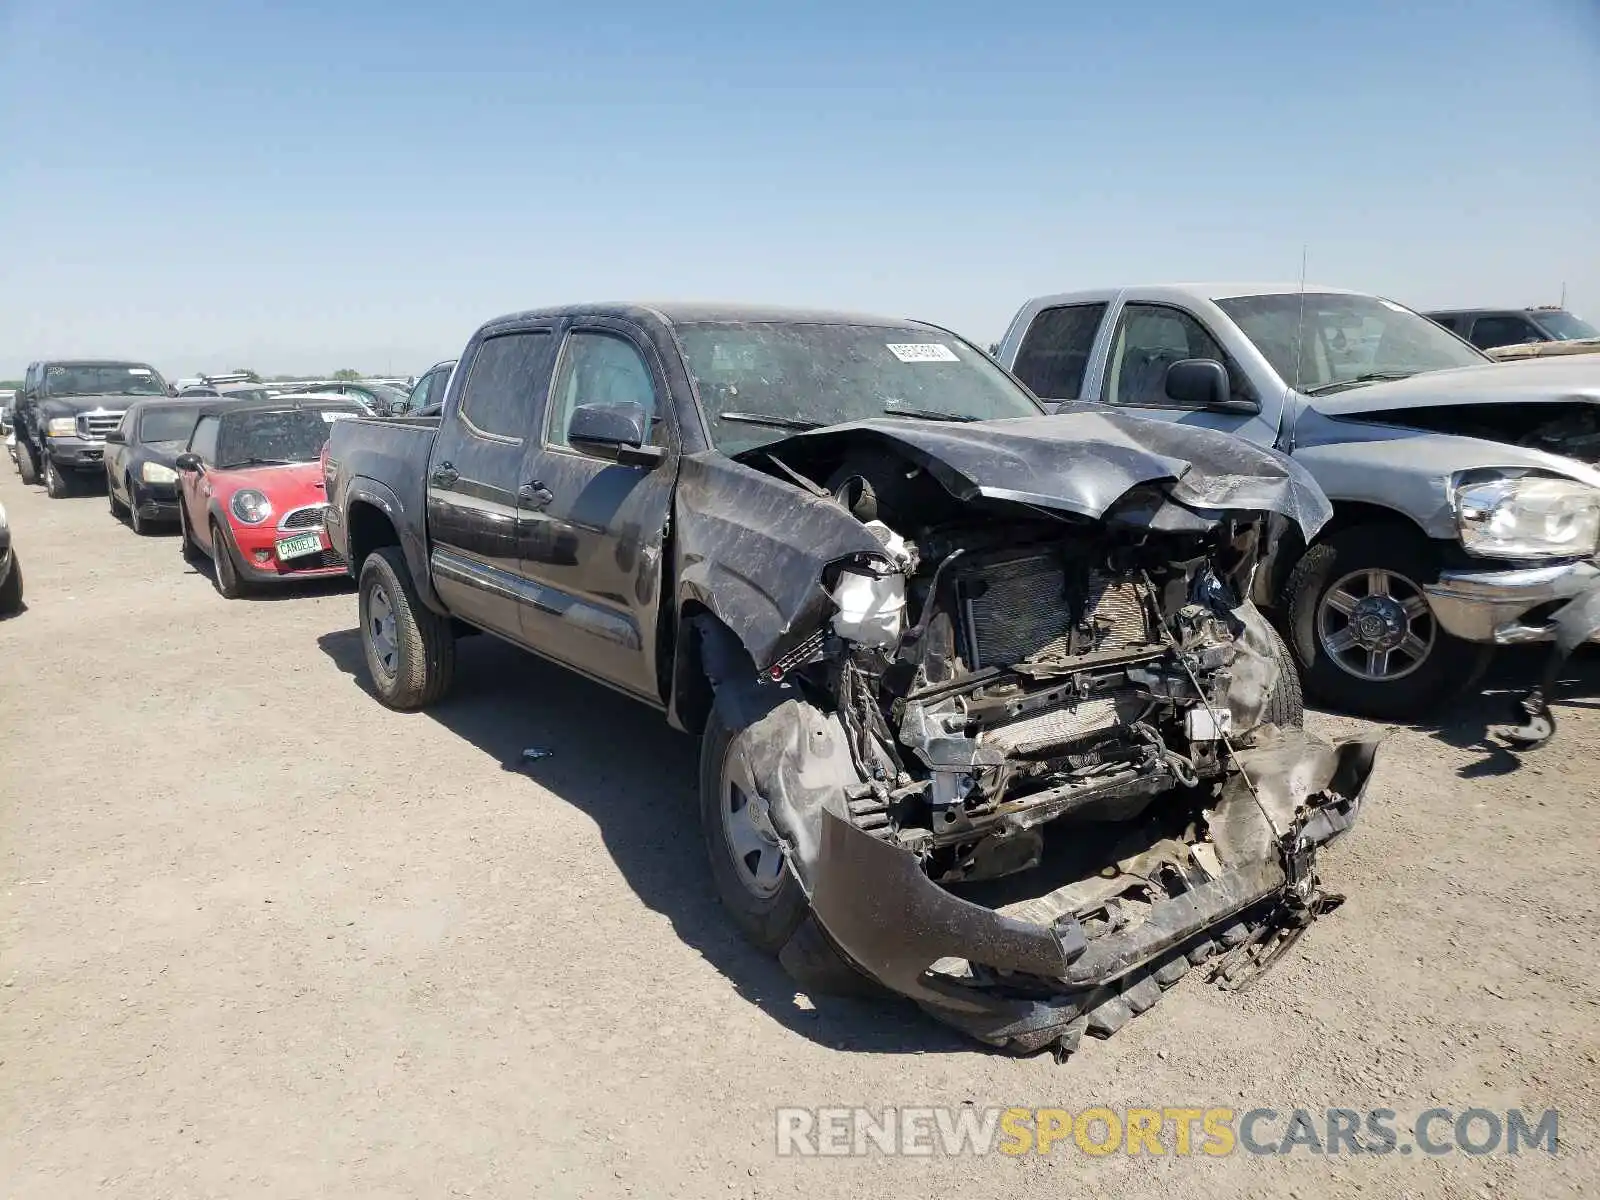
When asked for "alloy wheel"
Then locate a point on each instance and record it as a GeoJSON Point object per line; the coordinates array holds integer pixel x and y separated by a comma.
{"type": "Point", "coordinates": [1375, 624]}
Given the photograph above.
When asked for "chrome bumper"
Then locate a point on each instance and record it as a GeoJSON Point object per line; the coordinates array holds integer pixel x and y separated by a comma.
{"type": "Point", "coordinates": [1489, 606]}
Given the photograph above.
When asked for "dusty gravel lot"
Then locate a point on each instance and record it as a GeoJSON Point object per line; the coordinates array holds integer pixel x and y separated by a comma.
{"type": "Point", "coordinates": [263, 937]}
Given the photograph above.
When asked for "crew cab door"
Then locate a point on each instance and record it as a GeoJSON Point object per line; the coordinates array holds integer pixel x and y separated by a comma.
{"type": "Point", "coordinates": [595, 530]}
{"type": "Point", "coordinates": [475, 470]}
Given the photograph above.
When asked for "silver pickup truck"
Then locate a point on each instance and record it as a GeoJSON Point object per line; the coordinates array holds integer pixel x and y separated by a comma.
{"type": "Point", "coordinates": [1466, 502]}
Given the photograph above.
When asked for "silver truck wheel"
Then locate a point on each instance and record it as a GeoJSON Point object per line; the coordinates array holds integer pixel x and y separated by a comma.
{"type": "Point", "coordinates": [1376, 625]}
{"type": "Point", "coordinates": [55, 484]}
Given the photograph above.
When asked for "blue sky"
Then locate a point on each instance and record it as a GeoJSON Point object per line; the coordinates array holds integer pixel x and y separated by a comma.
{"type": "Point", "coordinates": [304, 186]}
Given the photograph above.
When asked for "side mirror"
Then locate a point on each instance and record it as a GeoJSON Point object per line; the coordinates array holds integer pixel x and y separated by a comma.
{"type": "Point", "coordinates": [1203, 383]}
{"type": "Point", "coordinates": [614, 431]}
{"type": "Point", "coordinates": [117, 438]}
{"type": "Point", "coordinates": [189, 462]}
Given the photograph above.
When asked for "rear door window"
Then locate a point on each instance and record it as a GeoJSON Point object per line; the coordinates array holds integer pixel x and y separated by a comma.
{"type": "Point", "coordinates": [1055, 351]}
{"type": "Point", "coordinates": [504, 383]}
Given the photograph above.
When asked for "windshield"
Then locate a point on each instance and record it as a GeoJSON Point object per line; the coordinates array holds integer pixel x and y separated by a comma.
{"type": "Point", "coordinates": [761, 381]}
{"type": "Point", "coordinates": [102, 379]}
{"type": "Point", "coordinates": [168, 424]}
{"type": "Point", "coordinates": [1563, 326]}
{"type": "Point", "coordinates": [293, 435]}
{"type": "Point", "coordinates": [1349, 340]}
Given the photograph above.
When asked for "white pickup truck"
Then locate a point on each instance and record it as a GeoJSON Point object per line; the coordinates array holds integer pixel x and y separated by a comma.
{"type": "Point", "coordinates": [1466, 502]}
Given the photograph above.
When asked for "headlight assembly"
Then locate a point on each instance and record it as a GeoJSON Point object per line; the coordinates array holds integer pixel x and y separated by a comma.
{"type": "Point", "coordinates": [154, 472]}
{"type": "Point", "coordinates": [250, 506]}
{"type": "Point", "coordinates": [1531, 516]}
{"type": "Point", "coordinates": [62, 427]}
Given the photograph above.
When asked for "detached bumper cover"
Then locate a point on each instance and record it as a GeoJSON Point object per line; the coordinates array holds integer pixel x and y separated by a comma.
{"type": "Point", "coordinates": [894, 923]}
{"type": "Point", "coordinates": [1490, 606]}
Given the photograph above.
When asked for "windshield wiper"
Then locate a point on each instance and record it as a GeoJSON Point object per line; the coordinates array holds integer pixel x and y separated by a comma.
{"type": "Point", "coordinates": [928, 414]}
{"type": "Point", "coordinates": [252, 461]}
{"type": "Point", "coordinates": [772, 419]}
{"type": "Point", "coordinates": [1357, 381]}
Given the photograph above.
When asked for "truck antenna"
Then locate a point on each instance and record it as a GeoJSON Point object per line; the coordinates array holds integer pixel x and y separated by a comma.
{"type": "Point", "coordinates": [1299, 358]}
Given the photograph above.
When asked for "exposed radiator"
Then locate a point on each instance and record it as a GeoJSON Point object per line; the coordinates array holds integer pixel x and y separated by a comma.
{"type": "Point", "coordinates": [1019, 609]}
{"type": "Point", "coordinates": [1065, 725]}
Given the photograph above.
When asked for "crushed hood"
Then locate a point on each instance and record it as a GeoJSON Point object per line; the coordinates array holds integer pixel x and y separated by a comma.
{"type": "Point", "coordinates": [1083, 460]}
{"type": "Point", "coordinates": [1574, 379]}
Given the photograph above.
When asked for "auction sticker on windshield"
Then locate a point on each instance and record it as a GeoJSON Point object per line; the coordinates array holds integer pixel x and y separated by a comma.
{"type": "Point", "coordinates": [331, 417]}
{"type": "Point", "coordinates": [912, 352]}
{"type": "Point", "coordinates": [295, 547]}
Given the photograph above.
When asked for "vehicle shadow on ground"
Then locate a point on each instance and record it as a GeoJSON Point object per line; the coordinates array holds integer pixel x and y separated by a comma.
{"type": "Point", "coordinates": [327, 585]}
{"type": "Point", "coordinates": [1467, 724]}
{"type": "Point", "coordinates": [620, 764]}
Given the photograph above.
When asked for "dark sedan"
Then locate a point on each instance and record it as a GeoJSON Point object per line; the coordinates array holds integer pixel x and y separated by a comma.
{"type": "Point", "coordinates": [141, 478]}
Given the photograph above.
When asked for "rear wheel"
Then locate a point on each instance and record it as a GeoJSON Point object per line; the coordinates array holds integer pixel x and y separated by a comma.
{"type": "Point", "coordinates": [1361, 628]}
{"type": "Point", "coordinates": [754, 882]}
{"type": "Point", "coordinates": [224, 567]}
{"type": "Point", "coordinates": [410, 649]}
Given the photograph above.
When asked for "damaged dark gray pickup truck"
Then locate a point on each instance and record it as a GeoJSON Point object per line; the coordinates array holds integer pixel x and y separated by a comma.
{"type": "Point", "coordinates": [985, 716]}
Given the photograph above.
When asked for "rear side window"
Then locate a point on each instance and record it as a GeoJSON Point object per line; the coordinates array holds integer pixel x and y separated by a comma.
{"type": "Point", "coordinates": [504, 382]}
{"type": "Point", "coordinates": [1448, 322]}
{"type": "Point", "coordinates": [1490, 332]}
{"type": "Point", "coordinates": [1055, 351]}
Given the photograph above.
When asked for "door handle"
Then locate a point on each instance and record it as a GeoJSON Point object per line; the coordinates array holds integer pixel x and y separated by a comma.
{"type": "Point", "coordinates": [445, 475]}
{"type": "Point", "coordinates": [534, 494]}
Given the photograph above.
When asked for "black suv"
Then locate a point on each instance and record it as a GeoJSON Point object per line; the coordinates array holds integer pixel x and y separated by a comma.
{"type": "Point", "coordinates": [65, 410]}
{"type": "Point", "coordinates": [1493, 328]}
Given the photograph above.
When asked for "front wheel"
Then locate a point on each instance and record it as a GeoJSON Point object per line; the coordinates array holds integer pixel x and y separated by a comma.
{"type": "Point", "coordinates": [55, 483]}
{"type": "Point", "coordinates": [11, 589]}
{"type": "Point", "coordinates": [27, 464]}
{"type": "Point", "coordinates": [410, 649]}
{"type": "Point", "coordinates": [140, 525]}
{"type": "Point", "coordinates": [224, 568]}
{"type": "Point", "coordinates": [754, 882]}
{"type": "Point", "coordinates": [1361, 628]}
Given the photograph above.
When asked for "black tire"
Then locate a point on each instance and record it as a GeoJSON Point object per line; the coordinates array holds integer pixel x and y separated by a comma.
{"type": "Point", "coordinates": [415, 664]}
{"type": "Point", "coordinates": [139, 524]}
{"type": "Point", "coordinates": [187, 546]}
{"type": "Point", "coordinates": [27, 464]}
{"type": "Point", "coordinates": [1449, 664]}
{"type": "Point", "coordinates": [119, 510]}
{"type": "Point", "coordinates": [11, 589]}
{"type": "Point", "coordinates": [224, 566]}
{"type": "Point", "coordinates": [767, 921]}
{"type": "Point", "coordinates": [1286, 706]}
{"type": "Point", "coordinates": [55, 483]}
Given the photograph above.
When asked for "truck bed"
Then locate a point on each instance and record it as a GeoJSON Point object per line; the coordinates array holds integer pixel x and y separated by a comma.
{"type": "Point", "coordinates": [386, 459]}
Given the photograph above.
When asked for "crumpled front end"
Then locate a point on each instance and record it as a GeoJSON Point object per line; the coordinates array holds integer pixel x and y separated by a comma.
{"type": "Point", "coordinates": [1036, 765]}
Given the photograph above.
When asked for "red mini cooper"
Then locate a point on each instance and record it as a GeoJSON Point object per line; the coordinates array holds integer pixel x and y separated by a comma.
{"type": "Point", "coordinates": [250, 491]}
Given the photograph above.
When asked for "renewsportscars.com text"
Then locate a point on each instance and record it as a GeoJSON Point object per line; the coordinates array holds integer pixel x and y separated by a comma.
{"type": "Point", "coordinates": [1179, 1131]}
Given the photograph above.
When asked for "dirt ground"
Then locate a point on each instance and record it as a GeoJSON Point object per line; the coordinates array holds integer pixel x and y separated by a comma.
{"type": "Point", "coordinates": [261, 936]}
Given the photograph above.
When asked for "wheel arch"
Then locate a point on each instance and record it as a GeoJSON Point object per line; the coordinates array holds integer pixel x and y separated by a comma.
{"type": "Point", "coordinates": [1289, 546]}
